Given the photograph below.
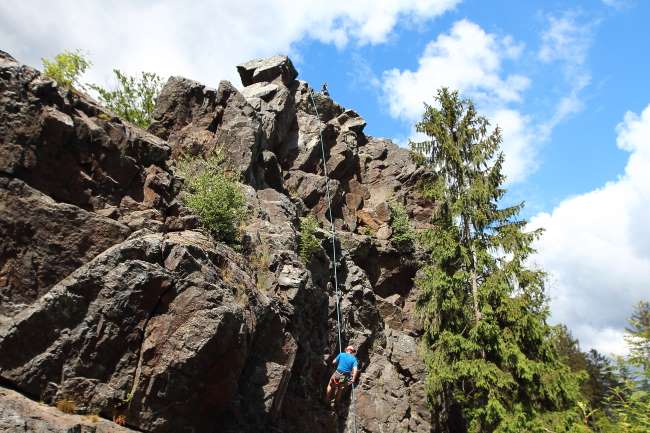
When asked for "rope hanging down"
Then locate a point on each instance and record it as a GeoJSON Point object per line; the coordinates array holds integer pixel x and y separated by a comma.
{"type": "Point", "coordinates": [333, 235]}
{"type": "Point", "coordinates": [331, 217]}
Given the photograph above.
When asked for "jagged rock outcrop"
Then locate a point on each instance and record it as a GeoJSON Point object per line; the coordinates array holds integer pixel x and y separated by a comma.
{"type": "Point", "coordinates": [19, 414]}
{"type": "Point", "coordinates": [113, 297]}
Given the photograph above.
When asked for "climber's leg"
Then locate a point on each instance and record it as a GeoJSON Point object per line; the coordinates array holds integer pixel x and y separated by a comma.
{"type": "Point", "coordinates": [342, 386]}
{"type": "Point", "coordinates": [332, 387]}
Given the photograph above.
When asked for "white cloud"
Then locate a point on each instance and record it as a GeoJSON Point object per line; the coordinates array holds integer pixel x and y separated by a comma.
{"type": "Point", "coordinates": [518, 143]}
{"type": "Point", "coordinates": [597, 247]}
{"type": "Point", "coordinates": [199, 40]}
{"type": "Point", "coordinates": [566, 41]}
{"type": "Point", "coordinates": [470, 60]}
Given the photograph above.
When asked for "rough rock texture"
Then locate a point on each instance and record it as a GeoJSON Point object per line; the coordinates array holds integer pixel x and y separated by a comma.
{"type": "Point", "coordinates": [112, 297]}
{"type": "Point", "coordinates": [43, 241]}
{"type": "Point", "coordinates": [19, 414]}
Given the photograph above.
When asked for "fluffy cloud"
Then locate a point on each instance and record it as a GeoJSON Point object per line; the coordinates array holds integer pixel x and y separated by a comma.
{"type": "Point", "coordinates": [470, 60]}
{"type": "Point", "coordinates": [597, 247]}
{"type": "Point", "coordinates": [200, 40]}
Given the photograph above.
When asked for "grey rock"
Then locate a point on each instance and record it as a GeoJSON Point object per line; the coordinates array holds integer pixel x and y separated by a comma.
{"type": "Point", "coordinates": [63, 144]}
{"type": "Point", "coordinates": [128, 319]}
{"type": "Point", "coordinates": [384, 232]}
{"type": "Point", "coordinates": [19, 414]}
{"type": "Point", "coordinates": [174, 331]}
{"type": "Point", "coordinates": [43, 241]}
{"type": "Point", "coordinates": [200, 121]}
{"type": "Point", "coordinates": [276, 68]}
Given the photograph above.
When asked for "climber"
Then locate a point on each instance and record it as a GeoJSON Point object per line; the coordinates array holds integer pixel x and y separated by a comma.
{"type": "Point", "coordinates": [346, 371]}
{"type": "Point", "coordinates": [324, 90]}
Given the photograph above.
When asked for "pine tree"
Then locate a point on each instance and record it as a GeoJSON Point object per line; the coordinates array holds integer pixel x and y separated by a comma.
{"type": "Point", "coordinates": [492, 365]}
{"type": "Point", "coordinates": [602, 378]}
{"type": "Point", "coordinates": [638, 339]}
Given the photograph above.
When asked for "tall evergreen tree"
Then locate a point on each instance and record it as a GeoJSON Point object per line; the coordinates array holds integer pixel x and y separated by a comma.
{"type": "Point", "coordinates": [492, 365]}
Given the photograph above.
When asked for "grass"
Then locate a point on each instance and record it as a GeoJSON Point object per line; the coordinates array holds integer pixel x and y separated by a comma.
{"type": "Point", "coordinates": [92, 418]}
{"type": "Point", "coordinates": [66, 405]}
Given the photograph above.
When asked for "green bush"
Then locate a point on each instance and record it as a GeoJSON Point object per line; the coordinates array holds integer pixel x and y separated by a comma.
{"type": "Point", "coordinates": [403, 234]}
{"type": "Point", "coordinates": [66, 68]}
{"type": "Point", "coordinates": [630, 407]}
{"type": "Point", "coordinates": [215, 196]}
{"type": "Point", "coordinates": [309, 243]}
{"type": "Point", "coordinates": [134, 98]}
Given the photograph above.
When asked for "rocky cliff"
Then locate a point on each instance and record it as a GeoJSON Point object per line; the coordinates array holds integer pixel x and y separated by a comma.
{"type": "Point", "coordinates": [113, 298]}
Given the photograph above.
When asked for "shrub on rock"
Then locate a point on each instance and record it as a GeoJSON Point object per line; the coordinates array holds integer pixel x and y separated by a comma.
{"type": "Point", "coordinates": [66, 68]}
{"type": "Point", "coordinates": [309, 243]}
{"type": "Point", "coordinates": [215, 196]}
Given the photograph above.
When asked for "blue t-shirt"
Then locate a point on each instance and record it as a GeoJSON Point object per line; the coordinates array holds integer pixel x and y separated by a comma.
{"type": "Point", "coordinates": [346, 362]}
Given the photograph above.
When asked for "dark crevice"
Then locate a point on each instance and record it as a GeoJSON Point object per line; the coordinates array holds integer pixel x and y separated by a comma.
{"type": "Point", "coordinates": [8, 384]}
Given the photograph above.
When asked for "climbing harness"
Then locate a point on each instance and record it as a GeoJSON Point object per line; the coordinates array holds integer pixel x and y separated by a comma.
{"type": "Point", "coordinates": [333, 236]}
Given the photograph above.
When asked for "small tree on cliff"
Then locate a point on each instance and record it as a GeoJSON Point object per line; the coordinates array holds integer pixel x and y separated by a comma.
{"type": "Point", "coordinates": [66, 68]}
{"type": "Point", "coordinates": [492, 365]}
{"type": "Point", "coordinates": [133, 98]}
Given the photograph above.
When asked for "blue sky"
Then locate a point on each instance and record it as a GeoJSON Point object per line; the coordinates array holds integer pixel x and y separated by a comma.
{"type": "Point", "coordinates": [580, 153]}
{"type": "Point", "coordinates": [566, 80]}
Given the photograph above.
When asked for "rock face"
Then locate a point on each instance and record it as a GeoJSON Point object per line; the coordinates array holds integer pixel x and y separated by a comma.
{"type": "Point", "coordinates": [113, 298]}
{"type": "Point", "coordinates": [19, 414]}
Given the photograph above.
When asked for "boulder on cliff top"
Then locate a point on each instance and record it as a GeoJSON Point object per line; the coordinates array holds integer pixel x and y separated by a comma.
{"type": "Point", "coordinates": [199, 121]}
{"type": "Point", "coordinates": [276, 68]}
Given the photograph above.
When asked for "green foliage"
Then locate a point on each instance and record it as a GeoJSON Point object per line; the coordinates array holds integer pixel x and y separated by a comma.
{"type": "Point", "coordinates": [491, 361]}
{"type": "Point", "coordinates": [598, 373]}
{"type": "Point", "coordinates": [602, 378]}
{"type": "Point", "coordinates": [309, 243]}
{"type": "Point", "coordinates": [628, 404]}
{"type": "Point", "coordinates": [403, 235]}
{"type": "Point", "coordinates": [66, 68]}
{"type": "Point", "coordinates": [134, 98]}
{"type": "Point", "coordinates": [630, 408]}
{"type": "Point", "coordinates": [215, 196]}
{"type": "Point", "coordinates": [638, 339]}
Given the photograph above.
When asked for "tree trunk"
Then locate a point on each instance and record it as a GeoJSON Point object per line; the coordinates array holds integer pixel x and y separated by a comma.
{"type": "Point", "coordinates": [477, 313]}
{"type": "Point", "coordinates": [473, 271]}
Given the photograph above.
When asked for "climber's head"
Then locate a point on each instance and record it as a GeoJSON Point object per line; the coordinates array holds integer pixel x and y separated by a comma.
{"type": "Point", "coordinates": [351, 349]}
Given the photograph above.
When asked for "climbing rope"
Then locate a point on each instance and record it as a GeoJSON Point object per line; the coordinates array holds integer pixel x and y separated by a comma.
{"type": "Point", "coordinates": [354, 416]}
{"type": "Point", "coordinates": [333, 236]}
{"type": "Point", "coordinates": [333, 227]}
